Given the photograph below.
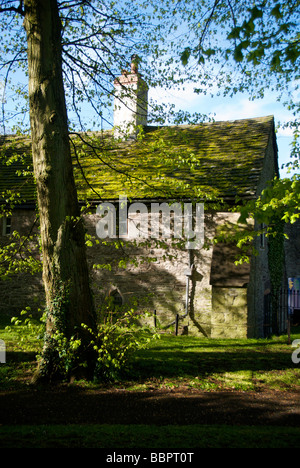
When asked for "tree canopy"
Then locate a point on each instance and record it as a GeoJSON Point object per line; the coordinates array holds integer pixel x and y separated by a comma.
{"type": "Point", "coordinates": [73, 50]}
{"type": "Point", "coordinates": [230, 45]}
{"type": "Point", "coordinates": [98, 39]}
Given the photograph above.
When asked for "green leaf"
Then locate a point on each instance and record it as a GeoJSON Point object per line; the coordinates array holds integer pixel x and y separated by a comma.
{"type": "Point", "coordinates": [292, 52]}
{"type": "Point", "coordinates": [256, 13]}
{"type": "Point", "coordinates": [235, 33]}
{"type": "Point", "coordinates": [275, 62]}
{"type": "Point", "coordinates": [209, 52]}
{"type": "Point", "coordinates": [238, 54]}
{"type": "Point", "coordinates": [185, 56]}
{"type": "Point", "coordinates": [276, 11]}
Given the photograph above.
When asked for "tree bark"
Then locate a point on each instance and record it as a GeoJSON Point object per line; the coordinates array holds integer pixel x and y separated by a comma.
{"type": "Point", "coordinates": [69, 300]}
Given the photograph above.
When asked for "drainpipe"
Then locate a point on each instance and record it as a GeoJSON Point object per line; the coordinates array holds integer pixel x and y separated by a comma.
{"type": "Point", "coordinates": [188, 273]}
{"type": "Point", "coordinates": [187, 293]}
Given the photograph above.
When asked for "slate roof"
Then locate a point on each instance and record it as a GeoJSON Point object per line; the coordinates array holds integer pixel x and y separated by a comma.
{"type": "Point", "coordinates": [220, 159]}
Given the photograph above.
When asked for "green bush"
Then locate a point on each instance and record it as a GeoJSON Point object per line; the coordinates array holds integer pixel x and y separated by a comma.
{"type": "Point", "coordinates": [117, 341]}
{"type": "Point", "coordinates": [26, 331]}
{"type": "Point", "coordinates": [118, 338]}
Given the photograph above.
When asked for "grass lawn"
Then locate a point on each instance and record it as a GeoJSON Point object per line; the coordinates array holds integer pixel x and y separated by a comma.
{"type": "Point", "coordinates": [148, 437]}
{"type": "Point", "coordinates": [212, 365]}
{"type": "Point", "coordinates": [171, 362]}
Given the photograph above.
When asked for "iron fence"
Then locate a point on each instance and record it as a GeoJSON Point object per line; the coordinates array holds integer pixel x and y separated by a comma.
{"type": "Point", "coordinates": [287, 312]}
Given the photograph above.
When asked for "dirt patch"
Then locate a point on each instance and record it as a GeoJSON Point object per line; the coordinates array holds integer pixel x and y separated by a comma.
{"type": "Point", "coordinates": [73, 405]}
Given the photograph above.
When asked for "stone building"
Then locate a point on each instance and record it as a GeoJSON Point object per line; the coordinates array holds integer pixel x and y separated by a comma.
{"type": "Point", "coordinates": [217, 166]}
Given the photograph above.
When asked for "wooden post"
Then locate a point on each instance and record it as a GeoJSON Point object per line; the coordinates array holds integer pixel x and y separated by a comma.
{"type": "Point", "coordinates": [176, 324]}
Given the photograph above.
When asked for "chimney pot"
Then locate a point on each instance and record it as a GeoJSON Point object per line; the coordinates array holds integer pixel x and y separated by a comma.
{"type": "Point", "coordinates": [131, 96]}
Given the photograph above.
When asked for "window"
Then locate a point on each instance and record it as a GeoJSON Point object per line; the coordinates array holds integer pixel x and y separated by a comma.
{"type": "Point", "coordinates": [116, 299]}
{"type": "Point", "coordinates": [262, 236]}
{"type": "Point", "coordinates": [6, 228]}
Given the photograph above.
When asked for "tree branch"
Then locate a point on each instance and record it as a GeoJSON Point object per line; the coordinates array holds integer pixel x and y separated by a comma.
{"type": "Point", "coordinates": [18, 9]}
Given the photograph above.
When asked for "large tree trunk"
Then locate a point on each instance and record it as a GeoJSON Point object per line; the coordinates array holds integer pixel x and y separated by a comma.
{"type": "Point", "coordinates": [65, 273]}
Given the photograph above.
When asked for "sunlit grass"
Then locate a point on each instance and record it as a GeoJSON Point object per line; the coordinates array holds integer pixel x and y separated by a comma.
{"type": "Point", "coordinates": [209, 365]}
{"type": "Point", "coordinates": [174, 362]}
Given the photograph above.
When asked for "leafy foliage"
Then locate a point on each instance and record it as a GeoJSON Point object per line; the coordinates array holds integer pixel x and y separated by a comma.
{"type": "Point", "coordinates": [114, 346]}
{"type": "Point", "coordinates": [281, 196]}
{"type": "Point", "coordinates": [98, 40]}
{"type": "Point", "coordinates": [27, 331]}
{"type": "Point", "coordinates": [117, 343]}
{"type": "Point", "coordinates": [19, 254]}
{"type": "Point", "coordinates": [230, 44]}
{"type": "Point", "coordinates": [234, 46]}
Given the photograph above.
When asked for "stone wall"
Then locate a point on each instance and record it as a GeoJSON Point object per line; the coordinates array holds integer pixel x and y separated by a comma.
{"type": "Point", "coordinates": [24, 289]}
{"type": "Point", "coordinates": [214, 310]}
{"type": "Point", "coordinates": [164, 283]}
{"type": "Point", "coordinates": [230, 311]}
{"type": "Point", "coordinates": [259, 286]}
{"type": "Point", "coordinates": [292, 250]}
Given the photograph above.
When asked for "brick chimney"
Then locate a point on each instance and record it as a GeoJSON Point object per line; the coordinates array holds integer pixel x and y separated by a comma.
{"type": "Point", "coordinates": [131, 102]}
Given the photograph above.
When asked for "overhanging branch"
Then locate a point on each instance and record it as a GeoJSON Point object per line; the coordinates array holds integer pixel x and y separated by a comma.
{"type": "Point", "coordinates": [19, 9]}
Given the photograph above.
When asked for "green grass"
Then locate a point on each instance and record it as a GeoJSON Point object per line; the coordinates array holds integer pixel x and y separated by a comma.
{"type": "Point", "coordinates": [217, 364]}
{"type": "Point", "coordinates": [182, 362]}
{"type": "Point", "coordinates": [154, 437]}
{"type": "Point", "coordinates": [177, 361]}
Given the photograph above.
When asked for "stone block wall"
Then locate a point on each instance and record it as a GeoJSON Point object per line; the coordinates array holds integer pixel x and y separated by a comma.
{"type": "Point", "coordinates": [229, 317]}
{"type": "Point", "coordinates": [159, 285]}
{"type": "Point", "coordinates": [164, 282]}
{"type": "Point", "coordinates": [21, 290]}
{"type": "Point", "coordinates": [292, 250]}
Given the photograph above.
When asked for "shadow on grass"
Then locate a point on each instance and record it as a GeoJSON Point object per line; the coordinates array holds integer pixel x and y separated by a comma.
{"type": "Point", "coordinates": [74, 405]}
{"type": "Point", "coordinates": [183, 358]}
{"type": "Point", "coordinates": [148, 438]}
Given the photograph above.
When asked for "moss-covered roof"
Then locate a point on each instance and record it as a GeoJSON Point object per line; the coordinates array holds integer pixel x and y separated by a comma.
{"type": "Point", "coordinates": [16, 169]}
{"type": "Point", "coordinates": [220, 159]}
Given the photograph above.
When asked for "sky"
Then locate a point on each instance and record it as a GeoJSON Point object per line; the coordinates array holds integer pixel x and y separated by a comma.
{"type": "Point", "coordinates": [238, 107]}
